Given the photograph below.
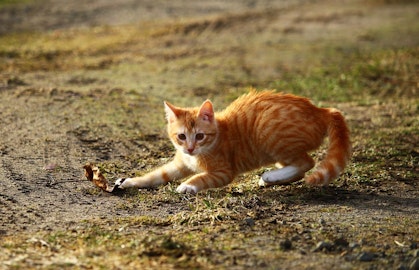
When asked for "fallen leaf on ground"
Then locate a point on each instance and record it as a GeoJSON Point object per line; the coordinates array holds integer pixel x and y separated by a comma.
{"type": "Point", "coordinates": [93, 174]}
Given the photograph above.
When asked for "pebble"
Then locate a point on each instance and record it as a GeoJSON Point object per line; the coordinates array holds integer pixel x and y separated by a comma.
{"type": "Point", "coordinates": [285, 244]}
{"type": "Point", "coordinates": [249, 221]}
{"type": "Point", "coordinates": [342, 242]}
{"type": "Point", "coordinates": [323, 246]}
{"type": "Point", "coordinates": [366, 257]}
{"type": "Point", "coordinates": [353, 245]}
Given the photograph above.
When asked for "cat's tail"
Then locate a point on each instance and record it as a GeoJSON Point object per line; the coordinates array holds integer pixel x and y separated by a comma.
{"type": "Point", "coordinates": [338, 153]}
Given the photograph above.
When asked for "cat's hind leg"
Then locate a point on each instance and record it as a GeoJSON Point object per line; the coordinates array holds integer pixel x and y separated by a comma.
{"type": "Point", "coordinates": [285, 175]}
{"type": "Point", "coordinates": [290, 172]}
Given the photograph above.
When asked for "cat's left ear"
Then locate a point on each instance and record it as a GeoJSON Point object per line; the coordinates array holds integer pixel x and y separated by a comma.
{"type": "Point", "coordinates": [206, 112]}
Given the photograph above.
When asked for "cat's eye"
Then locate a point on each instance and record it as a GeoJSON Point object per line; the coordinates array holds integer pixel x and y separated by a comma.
{"type": "Point", "coordinates": [181, 136]}
{"type": "Point", "coordinates": [199, 136]}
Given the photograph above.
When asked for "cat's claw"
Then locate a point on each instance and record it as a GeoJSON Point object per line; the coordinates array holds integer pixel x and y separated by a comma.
{"type": "Point", "coordinates": [185, 188]}
{"type": "Point", "coordinates": [119, 183]}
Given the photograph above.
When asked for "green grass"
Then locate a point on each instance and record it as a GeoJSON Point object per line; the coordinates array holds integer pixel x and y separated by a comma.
{"type": "Point", "coordinates": [380, 74]}
{"type": "Point", "coordinates": [13, 2]}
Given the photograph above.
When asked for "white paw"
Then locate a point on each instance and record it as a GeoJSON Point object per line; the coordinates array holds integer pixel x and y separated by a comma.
{"type": "Point", "coordinates": [262, 183]}
{"type": "Point", "coordinates": [122, 183]}
{"type": "Point", "coordinates": [284, 174]}
{"type": "Point", "coordinates": [185, 188]}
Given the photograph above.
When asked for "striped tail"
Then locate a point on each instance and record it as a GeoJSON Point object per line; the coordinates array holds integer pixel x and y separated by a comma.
{"type": "Point", "coordinates": [338, 153]}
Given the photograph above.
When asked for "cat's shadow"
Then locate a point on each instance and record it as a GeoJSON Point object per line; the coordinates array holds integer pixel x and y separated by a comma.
{"type": "Point", "coordinates": [297, 194]}
{"type": "Point", "coordinates": [334, 195]}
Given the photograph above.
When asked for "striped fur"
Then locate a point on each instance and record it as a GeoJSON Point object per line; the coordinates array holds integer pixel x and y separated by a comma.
{"type": "Point", "coordinates": [258, 129]}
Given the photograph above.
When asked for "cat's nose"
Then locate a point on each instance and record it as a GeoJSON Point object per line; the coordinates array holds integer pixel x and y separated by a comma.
{"type": "Point", "coordinates": [190, 150]}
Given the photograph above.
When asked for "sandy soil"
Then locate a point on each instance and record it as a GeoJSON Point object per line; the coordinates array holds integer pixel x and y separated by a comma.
{"type": "Point", "coordinates": [43, 146]}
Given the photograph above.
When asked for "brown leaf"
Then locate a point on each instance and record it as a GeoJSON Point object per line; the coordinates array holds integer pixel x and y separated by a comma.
{"type": "Point", "coordinates": [93, 174]}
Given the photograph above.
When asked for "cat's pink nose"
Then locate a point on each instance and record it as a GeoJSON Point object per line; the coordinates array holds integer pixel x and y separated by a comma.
{"type": "Point", "coordinates": [190, 150]}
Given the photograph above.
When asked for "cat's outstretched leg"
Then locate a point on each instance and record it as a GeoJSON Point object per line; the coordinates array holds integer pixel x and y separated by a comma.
{"type": "Point", "coordinates": [290, 172]}
{"type": "Point", "coordinates": [204, 181]}
{"type": "Point", "coordinates": [167, 173]}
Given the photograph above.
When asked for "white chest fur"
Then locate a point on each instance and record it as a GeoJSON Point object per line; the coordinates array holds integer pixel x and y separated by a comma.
{"type": "Point", "coordinates": [191, 162]}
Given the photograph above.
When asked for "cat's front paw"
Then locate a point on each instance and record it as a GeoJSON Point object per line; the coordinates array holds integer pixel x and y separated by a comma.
{"type": "Point", "coordinates": [186, 188]}
{"type": "Point", "coordinates": [121, 183]}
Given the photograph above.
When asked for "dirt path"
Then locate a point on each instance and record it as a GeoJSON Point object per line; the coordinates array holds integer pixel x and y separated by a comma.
{"type": "Point", "coordinates": [68, 103]}
{"type": "Point", "coordinates": [44, 145]}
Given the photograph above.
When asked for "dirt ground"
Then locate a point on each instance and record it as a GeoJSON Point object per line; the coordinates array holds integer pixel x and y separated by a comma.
{"type": "Point", "coordinates": [44, 144]}
{"type": "Point", "coordinates": [88, 82]}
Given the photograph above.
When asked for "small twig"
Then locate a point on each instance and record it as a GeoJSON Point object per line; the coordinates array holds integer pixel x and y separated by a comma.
{"type": "Point", "coordinates": [399, 244]}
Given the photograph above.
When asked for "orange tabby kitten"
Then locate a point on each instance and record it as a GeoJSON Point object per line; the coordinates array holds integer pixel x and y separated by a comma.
{"type": "Point", "coordinates": [258, 129]}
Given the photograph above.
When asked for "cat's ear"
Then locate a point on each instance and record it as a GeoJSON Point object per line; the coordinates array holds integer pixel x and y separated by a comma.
{"type": "Point", "coordinates": [206, 112]}
{"type": "Point", "coordinates": [171, 112]}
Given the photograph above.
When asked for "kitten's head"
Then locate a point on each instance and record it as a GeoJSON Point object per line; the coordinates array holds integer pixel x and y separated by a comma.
{"type": "Point", "coordinates": [192, 130]}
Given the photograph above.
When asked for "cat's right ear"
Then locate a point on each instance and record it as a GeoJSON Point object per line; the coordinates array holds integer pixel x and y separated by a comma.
{"type": "Point", "coordinates": [171, 112]}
